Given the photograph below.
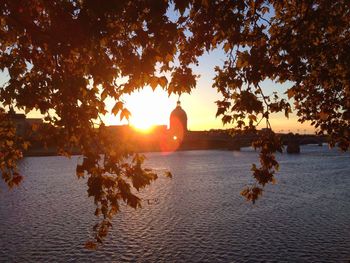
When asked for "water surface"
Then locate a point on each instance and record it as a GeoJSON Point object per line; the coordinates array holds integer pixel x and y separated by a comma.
{"type": "Point", "coordinates": [198, 216]}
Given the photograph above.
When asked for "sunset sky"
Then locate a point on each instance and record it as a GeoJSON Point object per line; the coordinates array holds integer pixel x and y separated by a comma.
{"type": "Point", "coordinates": [153, 108]}
{"type": "Point", "coordinates": [148, 107]}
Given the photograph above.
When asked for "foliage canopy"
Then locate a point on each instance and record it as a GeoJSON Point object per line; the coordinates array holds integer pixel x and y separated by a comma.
{"type": "Point", "coordinates": [64, 58]}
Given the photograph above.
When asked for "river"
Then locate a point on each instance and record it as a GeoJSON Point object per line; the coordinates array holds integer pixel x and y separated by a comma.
{"type": "Point", "coordinates": [198, 216]}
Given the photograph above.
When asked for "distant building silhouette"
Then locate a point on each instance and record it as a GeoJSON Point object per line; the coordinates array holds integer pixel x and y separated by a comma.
{"type": "Point", "coordinates": [178, 121]}
{"type": "Point", "coordinates": [23, 124]}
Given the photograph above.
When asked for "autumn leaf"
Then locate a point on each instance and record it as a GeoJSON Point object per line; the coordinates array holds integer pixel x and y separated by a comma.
{"type": "Point", "coordinates": [90, 245]}
{"type": "Point", "coordinates": [252, 117]}
{"type": "Point", "coordinates": [26, 144]}
{"type": "Point", "coordinates": [104, 95]}
{"type": "Point", "coordinates": [80, 171]}
{"type": "Point", "coordinates": [16, 179]}
{"type": "Point", "coordinates": [163, 82]}
{"type": "Point", "coordinates": [324, 116]}
{"type": "Point", "coordinates": [9, 143]}
{"type": "Point", "coordinates": [168, 174]}
{"type": "Point", "coordinates": [168, 58]}
{"type": "Point", "coordinates": [290, 93]}
{"type": "Point", "coordinates": [154, 82]}
{"type": "Point", "coordinates": [117, 107]}
{"type": "Point", "coordinates": [227, 47]}
{"type": "Point", "coordinates": [125, 114]}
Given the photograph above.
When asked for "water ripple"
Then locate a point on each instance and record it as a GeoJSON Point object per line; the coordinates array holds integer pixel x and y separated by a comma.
{"type": "Point", "coordinates": [198, 216]}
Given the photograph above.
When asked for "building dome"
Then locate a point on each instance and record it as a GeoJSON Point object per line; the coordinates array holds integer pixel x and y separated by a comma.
{"type": "Point", "coordinates": [178, 120]}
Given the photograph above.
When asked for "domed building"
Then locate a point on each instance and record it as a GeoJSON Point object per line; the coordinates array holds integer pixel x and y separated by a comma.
{"type": "Point", "coordinates": [178, 121]}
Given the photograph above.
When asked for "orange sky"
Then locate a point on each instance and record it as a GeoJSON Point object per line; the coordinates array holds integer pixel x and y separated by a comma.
{"type": "Point", "coordinates": [150, 107]}
{"type": "Point", "coordinates": [153, 108]}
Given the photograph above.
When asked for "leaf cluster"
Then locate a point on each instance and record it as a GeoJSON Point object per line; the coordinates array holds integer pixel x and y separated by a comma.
{"type": "Point", "coordinates": [11, 151]}
{"type": "Point", "coordinates": [65, 58]}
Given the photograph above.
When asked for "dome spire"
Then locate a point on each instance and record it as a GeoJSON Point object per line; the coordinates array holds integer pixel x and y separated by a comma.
{"type": "Point", "coordinates": [178, 120]}
{"type": "Point", "coordinates": [178, 103]}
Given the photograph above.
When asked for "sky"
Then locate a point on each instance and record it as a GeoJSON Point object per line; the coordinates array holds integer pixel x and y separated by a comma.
{"type": "Point", "coordinates": [148, 107]}
{"type": "Point", "coordinates": [154, 107]}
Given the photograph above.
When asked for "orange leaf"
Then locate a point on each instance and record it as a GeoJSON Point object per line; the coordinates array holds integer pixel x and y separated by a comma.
{"type": "Point", "coordinates": [324, 116]}
{"type": "Point", "coordinates": [290, 93]}
{"type": "Point", "coordinates": [125, 114]}
{"type": "Point", "coordinates": [117, 107]}
{"type": "Point", "coordinates": [153, 82]}
{"type": "Point", "coordinates": [227, 47]}
{"type": "Point", "coordinates": [90, 245]}
{"type": "Point", "coordinates": [163, 81]}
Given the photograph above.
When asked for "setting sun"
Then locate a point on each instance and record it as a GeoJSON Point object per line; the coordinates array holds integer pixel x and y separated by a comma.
{"type": "Point", "coordinates": [148, 108]}
{"type": "Point", "coordinates": [143, 125]}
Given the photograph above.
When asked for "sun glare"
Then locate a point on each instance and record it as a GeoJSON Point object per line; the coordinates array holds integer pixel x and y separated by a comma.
{"type": "Point", "coordinates": [149, 108]}
{"type": "Point", "coordinates": [142, 126]}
